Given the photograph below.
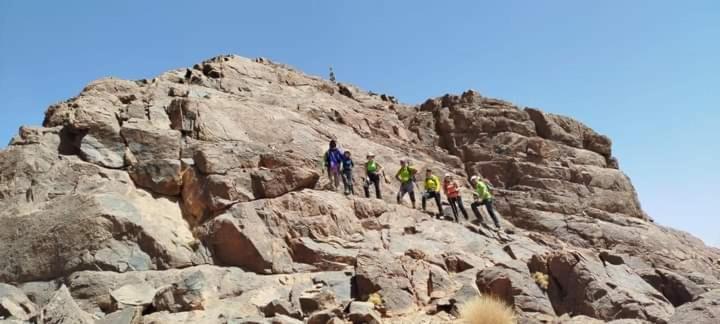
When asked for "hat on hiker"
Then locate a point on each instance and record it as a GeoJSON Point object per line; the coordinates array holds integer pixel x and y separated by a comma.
{"type": "Point", "coordinates": [370, 154]}
{"type": "Point", "coordinates": [474, 178]}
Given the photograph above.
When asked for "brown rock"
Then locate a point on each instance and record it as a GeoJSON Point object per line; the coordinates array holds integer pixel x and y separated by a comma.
{"type": "Point", "coordinates": [704, 309]}
{"type": "Point", "coordinates": [380, 273]}
{"type": "Point", "coordinates": [585, 286]}
{"type": "Point", "coordinates": [316, 300]}
{"type": "Point", "coordinates": [94, 231]}
{"type": "Point", "coordinates": [240, 238]}
{"type": "Point", "coordinates": [276, 182]}
{"type": "Point", "coordinates": [513, 283]}
{"type": "Point", "coordinates": [676, 288]}
{"type": "Point", "coordinates": [159, 176]}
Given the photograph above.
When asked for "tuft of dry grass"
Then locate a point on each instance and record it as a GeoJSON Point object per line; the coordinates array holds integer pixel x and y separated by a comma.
{"type": "Point", "coordinates": [541, 280]}
{"type": "Point", "coordinates": [487, 310]}
{"type": "Point", "coordinates": [375, 298]}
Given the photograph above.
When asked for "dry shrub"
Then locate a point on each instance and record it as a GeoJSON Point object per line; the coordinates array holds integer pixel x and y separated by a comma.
{"type": "Point", "coordinates": [487, 310]}
{"type": "Point", "coordinates": [541, 280]}
{"type": "Point", "coordinates": [376, 299]}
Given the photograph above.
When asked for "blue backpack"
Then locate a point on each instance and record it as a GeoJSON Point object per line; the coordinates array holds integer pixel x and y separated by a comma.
{"type": "Point", "coordinates": [333, 158]}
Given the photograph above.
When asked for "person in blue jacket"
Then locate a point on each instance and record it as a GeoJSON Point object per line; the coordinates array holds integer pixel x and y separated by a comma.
{"type": "Point", "coordinates": [347, 173]}
{"type": "Point", "coordinates": [333, 162]}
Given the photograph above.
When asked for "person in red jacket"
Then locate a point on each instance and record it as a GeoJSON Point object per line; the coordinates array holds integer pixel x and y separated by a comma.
{"type": "Point", "coordinates": [452, 191]}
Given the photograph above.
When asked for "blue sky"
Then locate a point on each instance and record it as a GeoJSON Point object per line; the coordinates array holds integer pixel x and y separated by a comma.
{"type": "Point", "coordinates": [646, 73]}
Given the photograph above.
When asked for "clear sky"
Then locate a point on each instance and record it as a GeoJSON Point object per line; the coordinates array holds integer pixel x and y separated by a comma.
{"type": "Point", "coordinates": [646, 73]}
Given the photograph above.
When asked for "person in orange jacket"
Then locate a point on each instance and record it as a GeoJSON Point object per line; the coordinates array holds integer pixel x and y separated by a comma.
{"type": "Point", "coordinates": [452, 191]}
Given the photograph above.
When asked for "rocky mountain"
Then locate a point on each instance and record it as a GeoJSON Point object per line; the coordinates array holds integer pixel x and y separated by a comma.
{"type": "Point", "coordinates": [198, 197]}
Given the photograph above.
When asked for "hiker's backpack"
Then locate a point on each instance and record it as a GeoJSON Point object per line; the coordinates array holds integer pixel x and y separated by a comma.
{"type": "Point", "coordinates": [333, 158]}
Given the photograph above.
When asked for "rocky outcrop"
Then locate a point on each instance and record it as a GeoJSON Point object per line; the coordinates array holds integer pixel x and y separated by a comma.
{"type": "Point", "coordinates": [587, 286]}
{"type": "Point", "coordinates": [199, 196]}
{"type": "Point", "coordinates": [704, 309]}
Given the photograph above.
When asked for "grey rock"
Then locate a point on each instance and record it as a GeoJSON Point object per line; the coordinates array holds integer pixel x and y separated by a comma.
{"type": "Point", "coordinates": [15, 304]}
{"type": "Point", "coordinates": [360, 313]}
{"type": "Point", "coordinates": [130, 315]}
{"type": "Point", "coordinates": [62, 308]}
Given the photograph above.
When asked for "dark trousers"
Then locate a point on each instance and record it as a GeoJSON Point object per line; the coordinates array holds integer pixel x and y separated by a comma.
{"type": "Point", "coordinates": [489, 206]}
{"type": "Point", "coordinates": [432, 194]}
{"type": "Point", "coordinates": [406, 188]}
{"type": "Point", "coordinates": [457, 203]}
{"type": "Point", "coordinates": [373, 178]}
{"type": "Point", "coordinates": [347, 178]}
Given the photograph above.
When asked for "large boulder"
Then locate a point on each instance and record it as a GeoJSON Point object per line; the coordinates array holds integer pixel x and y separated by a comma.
{"type": "Point", "coordinates": [94, 231]}
{"type": "Point", "coordinates": [240, 238]}
{"type": "Point", "coordinates": [583, 285]}
{"type": "Point", "coordinates": [380, 273]}
{"type": "Point", "coordinates": [513, 283]}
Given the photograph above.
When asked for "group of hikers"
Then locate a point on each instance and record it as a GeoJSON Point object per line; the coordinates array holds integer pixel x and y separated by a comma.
{"type": "Point", "coordinates": [339, 167]}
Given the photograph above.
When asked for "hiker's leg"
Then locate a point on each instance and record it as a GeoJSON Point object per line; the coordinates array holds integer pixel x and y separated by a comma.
{"type": "Point", "coordinates": [452, 202]}
{"type": "Point", "coordinates": [474, 206]}
{"type": "Point", "coordinates": [412, 198]}
{"type": "Point", "coordinates": [401, 194]}
{"type": "Point", "coordinates": [337, 178]}
{"type": "Point", "coordinates": [378, 193]}
{"type": "Point", "coordinates": [346, 185]}
{"type": "Point", "coordinates": [351, 185]}
{"type": "Point", "coordinates": [489, 206]}
{"type": "Point", "coordinates": [439, 204]}
{"type": "Point", "coordinates": [366, 186]}
{"type": "Point", "coordinates": [424, 201]}
{"type": "Point", "coordinates": [461, 206]}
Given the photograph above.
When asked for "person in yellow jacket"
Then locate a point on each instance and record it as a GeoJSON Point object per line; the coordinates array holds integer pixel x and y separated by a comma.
{"type": "Point", "coordinates": [483, 197]}
{"type": "Point", "coordinates": [406, 176]}
{"type": "Point", "coordinates": [432, 190]}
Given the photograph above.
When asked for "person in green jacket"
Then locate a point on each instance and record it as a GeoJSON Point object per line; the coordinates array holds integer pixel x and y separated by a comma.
{"type": "Point", "coordinates": [406, 176]}
{"type": "Point", "coordinates": [432, 190]}
{"type": "Point", "coordinates": [483, 197]}
{"type": "Point", "coordinates": [373, 172]}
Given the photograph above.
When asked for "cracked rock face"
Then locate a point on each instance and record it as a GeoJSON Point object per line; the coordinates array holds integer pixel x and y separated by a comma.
{"type": "Point", "coordinates": [199, 197]}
